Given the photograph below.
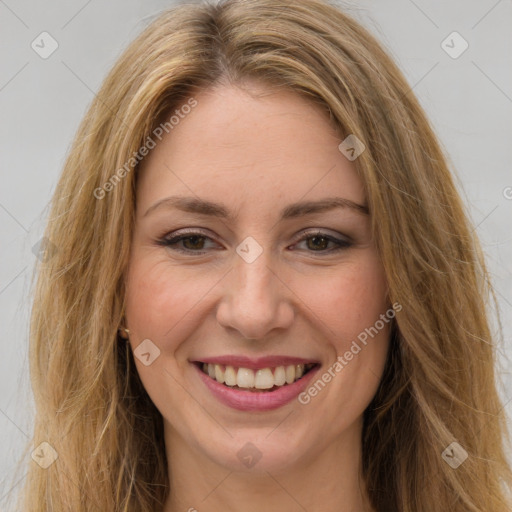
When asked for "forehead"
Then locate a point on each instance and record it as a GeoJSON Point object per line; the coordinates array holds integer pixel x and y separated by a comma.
{"type": "Point", "coordinates": [248, 145]}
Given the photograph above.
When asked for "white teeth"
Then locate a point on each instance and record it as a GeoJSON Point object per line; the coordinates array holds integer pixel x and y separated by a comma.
{"type": "Point", "coordinates": [279, 376]}
{"type": "Point", "coordinates": [264, 378]}
{"type": "Point", "coordinates": [219, 374]}
{"type": "Point", "coordinates": [245, 378]}
{"type": "Point", "coordinates": [230, 376]}
{"type": "Point", "coordinates": [290, 374]}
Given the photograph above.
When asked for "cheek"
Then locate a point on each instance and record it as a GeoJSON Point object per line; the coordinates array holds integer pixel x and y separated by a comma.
{"type": "Point", "coordinates": [349, 299]}
{"type": "Point", "coordinates": [349, 305]}
{"type": "Point", "coordinates": [163, 302]}
{"type": "Point", "coordinates": [157, 299]}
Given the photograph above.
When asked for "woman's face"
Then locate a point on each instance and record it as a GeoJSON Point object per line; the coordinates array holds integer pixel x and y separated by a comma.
{"type": "Point", "coordinates": [275, 267]}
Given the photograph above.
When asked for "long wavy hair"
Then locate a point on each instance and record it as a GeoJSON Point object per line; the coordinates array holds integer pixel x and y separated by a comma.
{"type": "Point", "coordinates": [439, 383]}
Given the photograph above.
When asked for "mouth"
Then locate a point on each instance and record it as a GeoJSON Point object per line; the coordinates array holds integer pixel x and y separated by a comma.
{"type": "Point", "coordinates": [258, 384]}
{"type": "Point", "coordinates": [255, 380]}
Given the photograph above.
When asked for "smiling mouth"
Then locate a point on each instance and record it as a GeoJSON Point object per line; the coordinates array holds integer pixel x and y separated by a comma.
{"type": "Point", "coordinates": [261, 380]}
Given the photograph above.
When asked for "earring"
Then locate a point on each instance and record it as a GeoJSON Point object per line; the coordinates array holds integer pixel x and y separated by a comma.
{"type": "Point", "coordinates": [125, 330]}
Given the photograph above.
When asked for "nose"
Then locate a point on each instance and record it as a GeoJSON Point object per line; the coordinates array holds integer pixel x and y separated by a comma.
{"type": "Point", "coordinates": [255, 299]}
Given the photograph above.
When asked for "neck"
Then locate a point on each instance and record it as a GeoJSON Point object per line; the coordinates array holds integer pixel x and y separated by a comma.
{"type": "Point", "coordinates": [327, 480]}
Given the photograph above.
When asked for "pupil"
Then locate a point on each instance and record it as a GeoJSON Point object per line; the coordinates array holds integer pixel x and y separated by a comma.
{"type": "Point", "coordinates": [321, 246]}
{"type": "Point", "coordinates": [194, 239]}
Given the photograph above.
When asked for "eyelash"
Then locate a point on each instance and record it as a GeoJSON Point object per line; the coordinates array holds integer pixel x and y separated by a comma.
{"type": "Point", "coordinates": [169, 242]}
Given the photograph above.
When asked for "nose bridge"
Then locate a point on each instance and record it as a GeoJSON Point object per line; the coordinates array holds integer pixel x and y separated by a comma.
{"type": "Point", "coordinates": [255, 301]}
{"type": "Point", "coordinates": [255, 288]}
{"type": "Point", "coordinates": [252, 266]}
{"type": "Point", "coordinates": [254, 278]}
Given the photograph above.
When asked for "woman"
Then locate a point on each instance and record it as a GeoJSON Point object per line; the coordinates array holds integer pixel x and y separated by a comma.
{"type": "Point", "coordinates": [266, 292]}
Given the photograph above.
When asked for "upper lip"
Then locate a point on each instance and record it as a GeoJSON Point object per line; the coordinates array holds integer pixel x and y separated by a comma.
{"type": "Point", "coordinates": [256, 363]}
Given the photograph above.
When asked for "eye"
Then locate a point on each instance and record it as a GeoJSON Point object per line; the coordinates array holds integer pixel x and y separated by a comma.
{"type": "Point", "coordinates": [196, 242]}
{"type": "Point", "coordinates": [318, 241]}
{"type": "Point", "coordinates": [193, 242]}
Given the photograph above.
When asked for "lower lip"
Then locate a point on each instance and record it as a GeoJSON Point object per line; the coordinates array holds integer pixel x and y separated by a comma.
{"type": "Point", "coordinates": [255, 400]}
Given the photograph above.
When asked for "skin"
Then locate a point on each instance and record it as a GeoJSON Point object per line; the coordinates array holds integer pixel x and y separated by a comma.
{"type": "Point", "coordinates": [256, 151]}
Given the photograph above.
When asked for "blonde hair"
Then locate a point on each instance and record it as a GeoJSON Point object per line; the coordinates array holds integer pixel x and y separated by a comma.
{"type": "Point", "coordinates": [439, 382]}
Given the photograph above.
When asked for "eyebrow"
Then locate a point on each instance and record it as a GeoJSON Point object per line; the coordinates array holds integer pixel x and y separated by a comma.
{"type": "Point", "coordinates": [203, 207]}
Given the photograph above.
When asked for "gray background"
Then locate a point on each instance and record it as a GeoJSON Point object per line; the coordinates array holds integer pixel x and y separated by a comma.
{"type": "Point", "coordinates": [468, 99]}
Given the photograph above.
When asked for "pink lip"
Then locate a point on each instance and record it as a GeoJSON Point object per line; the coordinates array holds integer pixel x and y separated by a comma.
{"type": "Point", "coordinates": [254, 400]}
{"type": "Point", "coordinates": [255, 364]}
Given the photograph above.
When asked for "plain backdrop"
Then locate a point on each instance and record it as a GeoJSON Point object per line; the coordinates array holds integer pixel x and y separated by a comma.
{"type": "Point", "coordinates": [468, 99]}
